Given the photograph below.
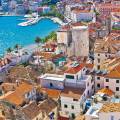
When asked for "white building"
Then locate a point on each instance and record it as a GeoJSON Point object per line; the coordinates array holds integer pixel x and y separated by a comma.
{"type": "Point", "coordinates": [69, 7]}
{"type": "Point", "coordinates": [71, 99]}
{"type": "Point", "coordinates": [75, 77]}
{"type": "Point", "coordinates": [109, 77]}
{"type": "Point", "coordinates": [112, 80]}
{"type": "Point", "coordinates": [81, 15]}
{"type": "Point", "coordinates": [52, 81]}
{"type": "Point", "coordinates": [104, 49]}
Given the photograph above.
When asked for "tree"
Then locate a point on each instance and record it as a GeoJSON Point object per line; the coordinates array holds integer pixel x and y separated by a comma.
{"type": "Point", "coordinates": [52, 36]}
{"type": "Point", "coordinates": [17, 47]}
{"type": "Point", "coordinates": [38, 40]}
{"type": "Point", "coordinates": [9, 50]}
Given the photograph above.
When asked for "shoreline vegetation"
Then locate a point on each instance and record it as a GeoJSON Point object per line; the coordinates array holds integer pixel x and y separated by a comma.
{"type": "Point", "coordinates": [37, 41]}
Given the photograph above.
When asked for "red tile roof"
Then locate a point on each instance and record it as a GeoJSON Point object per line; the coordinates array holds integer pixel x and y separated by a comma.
{"type": "Point", "coordinates": [106, 91]}
{"type": "Point", "coordinates": [74, 70]}
{"type": "Point", "coordinates": [52, 93]}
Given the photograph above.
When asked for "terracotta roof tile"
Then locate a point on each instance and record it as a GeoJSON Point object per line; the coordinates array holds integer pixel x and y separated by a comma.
{"type": "Point", "coordinates": [74, 70]}
{"type": "Point", "coordinates": [31, 110]}
{"type": "Point", "coordinates": [106, 91]}
{"type": "Point", "coordinates": [80, 117]}
{"type": "Point", "coordinates": [72, 92]}
{"type": "Point", "coordinates": [17, 97]}
{"type": "Point", "coordinates": [52, 93]}
{"type": "Point", "coordinates": [110, 107]}
{"type": "Point", "coordinates": [115, 73]}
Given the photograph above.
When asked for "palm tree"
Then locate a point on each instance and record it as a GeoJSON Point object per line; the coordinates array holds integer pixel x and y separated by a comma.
{"type": "Point", "coordinates": [9, 50]}
{"type": "Point", "coordinates": [17, 47]}
{"type": "Point", "coordinates": [38, 40]}
{"type": "Point", "coordinates": [53, 36]}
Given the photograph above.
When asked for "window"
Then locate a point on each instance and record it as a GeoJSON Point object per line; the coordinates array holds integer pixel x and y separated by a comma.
{"type": "Point", "coordinates": [98, 60]}
{"type": "Point", "coordinates": [51, 85]}
{"type": "Point", "coordinates": [107, 87]}
{"type": "Point", "coordinates": [3, 113]}
{"type": "Point", "coordinates": [92, 87]}
{"type": "Point", "coordinates": [88, 92]}
{"type": "Point", "coordinates": [98, 85]}
{"type": "Point", "coordinates": [98, 78]}
{"type": "Point", "coordinates": [65, 106]}
{"type": "Point", "coordinates": [98, 67]}
{"type": "Point", "coordinates": [84, 69]}
{"type": "Point", "coordinates": [112, 118]}
{"type": "Point", "coordinates": [117, 81]}
{"type": "Point", "coordinates": [87, 84]}
{"type": "Point", "coordinates": [72, 107]}
{"type": "Point", "coordinates": [73, 116]}
{"type": "Point", "coordinates": [91, 80]}
{"type": "Point", "coordinates": [75, 99]}
{"type": "Point", "coordinates": [107, 80]}
{"type": "Point", "coordinates": [117, 88]}
{"type": "Point", "coordinates": [69, 76]}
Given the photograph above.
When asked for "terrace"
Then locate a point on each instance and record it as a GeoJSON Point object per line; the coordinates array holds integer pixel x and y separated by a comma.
{"type": "Point", "coordinates": [93, 111]}
{"type": "Point", "coordinates": [53, 77]}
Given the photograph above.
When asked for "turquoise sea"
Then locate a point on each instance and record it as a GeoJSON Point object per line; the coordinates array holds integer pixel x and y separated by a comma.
{"type": "Point", "coordinates": [11, 33]}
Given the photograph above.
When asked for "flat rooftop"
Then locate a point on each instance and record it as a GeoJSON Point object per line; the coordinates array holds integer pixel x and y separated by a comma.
{"type": "Point", "coordinates": [93, 110]}
{"type": "Point", "coordinates": [54, 77]}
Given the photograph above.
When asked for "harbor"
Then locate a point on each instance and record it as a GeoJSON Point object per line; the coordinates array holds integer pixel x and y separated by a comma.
{"type": "Point", "coordinates": [11, 33]}
{"type": "Point", "coordinates": [31, 20]}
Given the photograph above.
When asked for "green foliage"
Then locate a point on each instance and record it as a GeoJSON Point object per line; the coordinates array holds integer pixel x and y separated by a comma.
{"type": "Point", "coordinates": [115, 28]}
{"type": "Point", "coordinates": [54, 13]}
{"type": "Point", "coordinates": [25, 64]}
{"type": "Point", "coordinates": [16, 46]}
{"type": "Point", "coordinates": [37, 40]}
{"type": "Point", "coordinates": [52, 36]}
{"type": "Point", "coordinates": [9, 50]}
